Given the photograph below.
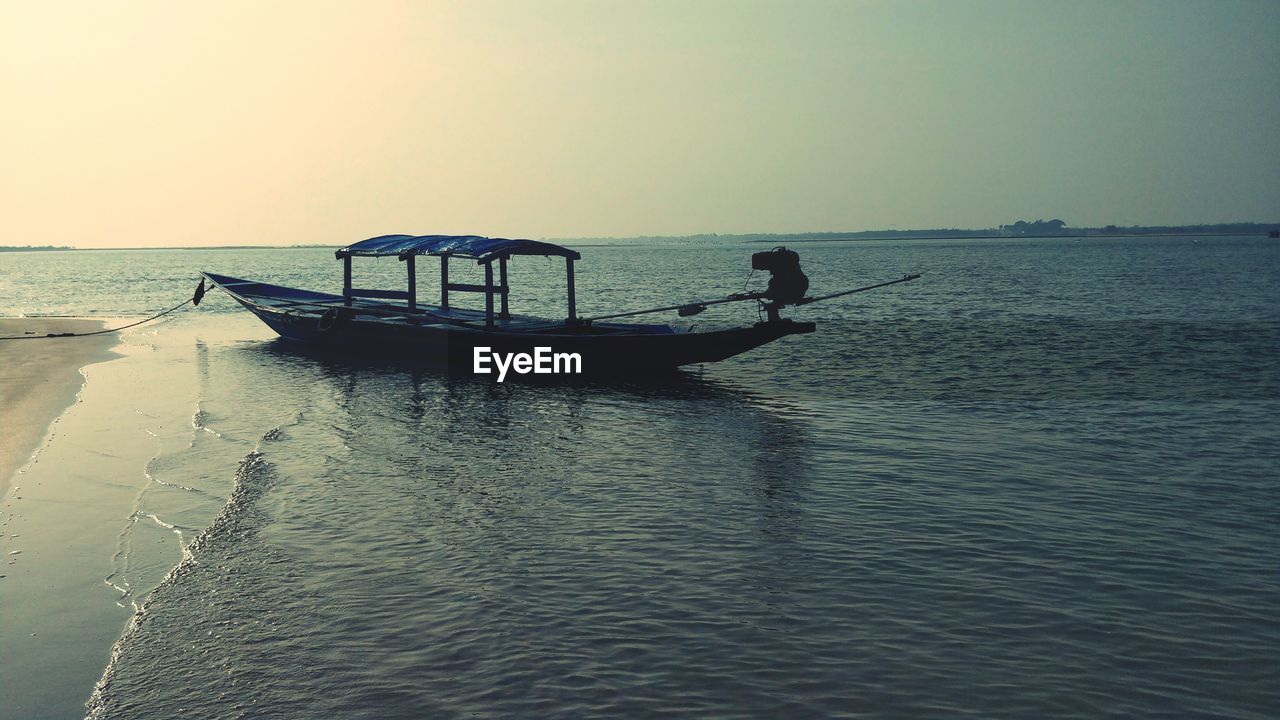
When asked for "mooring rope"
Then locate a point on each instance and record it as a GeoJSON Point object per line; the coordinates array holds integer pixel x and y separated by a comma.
{"type": "Point", "coordinates": [193, 300]}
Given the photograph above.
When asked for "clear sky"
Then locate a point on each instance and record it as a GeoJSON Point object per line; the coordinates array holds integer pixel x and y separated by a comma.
{"type": "Point", "coordinates": [247, 122]}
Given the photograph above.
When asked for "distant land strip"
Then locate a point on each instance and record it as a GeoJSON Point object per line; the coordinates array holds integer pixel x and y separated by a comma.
{"type": "Point", "coordinates": [32, 248]}
{"type": "Point", "coordinates": [42, 248]}
{"type": "Point", "coordinates": [1019, 229]}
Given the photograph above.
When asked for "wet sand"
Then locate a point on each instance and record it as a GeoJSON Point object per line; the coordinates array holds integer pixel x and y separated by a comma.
{"type": "Point", "coordinates": [39, 379]}
{"type": "Point", "coordinates": [58, 519]}
{"type": "Point", "coordinates": [86, 531]}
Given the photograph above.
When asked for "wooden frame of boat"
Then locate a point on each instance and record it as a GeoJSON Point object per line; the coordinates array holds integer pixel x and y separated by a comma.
{"type": "Point", "coordinates": [484, 251]}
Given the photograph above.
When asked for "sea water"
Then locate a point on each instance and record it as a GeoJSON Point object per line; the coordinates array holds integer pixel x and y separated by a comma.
{"type": "Point", "coordinates": [1041, 481]}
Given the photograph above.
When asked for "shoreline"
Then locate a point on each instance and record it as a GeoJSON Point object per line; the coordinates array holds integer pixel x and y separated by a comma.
{"type": "Point", "coordinates": [58, 622]}
{"type": "Point", "coordinates": [39, 380]}
{"type": "Point", "coordinates": [122, 477]}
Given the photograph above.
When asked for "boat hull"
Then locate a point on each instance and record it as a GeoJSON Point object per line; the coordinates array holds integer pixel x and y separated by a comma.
{"type": "Point", "coordinates": [602, 350]}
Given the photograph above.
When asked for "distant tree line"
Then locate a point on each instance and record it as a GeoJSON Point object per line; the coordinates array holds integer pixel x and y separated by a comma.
{"type": "Point", "coordinates": [29, 248]}
{"type": "Point", "coordinates": [1249, 228]}
{"type": "Point", "coordinates": [1039, 227]}
{"type": "Point", "coordinates": [1020, 228]}
{"type": "Point", "coordinates": [1059, 228]}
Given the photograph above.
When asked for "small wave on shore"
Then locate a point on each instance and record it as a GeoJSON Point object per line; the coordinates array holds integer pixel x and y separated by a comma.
{"type": "Point", "coordinates": [252, 478]}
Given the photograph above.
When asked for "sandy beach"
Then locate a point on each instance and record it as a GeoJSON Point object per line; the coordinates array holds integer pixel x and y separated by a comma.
{"type": "Point", "coordinates": [38, 380]}
{"type": "Point", "coordinates": [86, 531]}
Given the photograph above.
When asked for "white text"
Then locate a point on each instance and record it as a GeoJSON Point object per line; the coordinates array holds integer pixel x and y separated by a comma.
{"type": "Point", "coordinates": [542, 362]}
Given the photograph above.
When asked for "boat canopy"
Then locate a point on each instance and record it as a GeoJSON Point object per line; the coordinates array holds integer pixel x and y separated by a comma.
{"type": "Point", "coordinates": [483, 249]}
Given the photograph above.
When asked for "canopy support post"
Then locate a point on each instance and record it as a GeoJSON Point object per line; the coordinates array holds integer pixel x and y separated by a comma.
{"type": "Point", "coordinates": [488, 294]}
{"type": "Point", "coordinates": [502, 281]}
{"type": "Point", "coordinates": [413, 284]}
{"type": "Point", "coordinates": [573, 302]}
{"type": "Point", "coordinates": [444, 282]}
{"type": "Point", "coordinates": [346, 280]}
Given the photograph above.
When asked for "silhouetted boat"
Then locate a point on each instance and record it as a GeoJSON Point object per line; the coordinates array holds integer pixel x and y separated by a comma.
{"type": "Point", "coordinates": [446, 337]}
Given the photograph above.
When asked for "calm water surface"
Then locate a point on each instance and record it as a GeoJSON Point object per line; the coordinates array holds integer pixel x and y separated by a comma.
{"type": "Point", "coordinates": [1039, 482]}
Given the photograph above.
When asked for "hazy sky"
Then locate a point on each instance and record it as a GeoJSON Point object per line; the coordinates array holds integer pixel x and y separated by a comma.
{"type": "Point", "coordinates": [226, 122]}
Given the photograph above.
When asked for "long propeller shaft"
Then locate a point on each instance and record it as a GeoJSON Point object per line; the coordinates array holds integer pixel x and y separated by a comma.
{"type": "Point", "coordinates": [904, 278]}
{"type": "Point", "coordinates": [693, 308]}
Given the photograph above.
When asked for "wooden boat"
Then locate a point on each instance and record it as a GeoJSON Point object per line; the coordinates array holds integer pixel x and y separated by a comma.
{"type": "Point", "coordinates": [451, 338]}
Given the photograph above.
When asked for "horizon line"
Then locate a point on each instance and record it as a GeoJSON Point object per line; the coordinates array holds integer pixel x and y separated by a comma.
{"type": "Point", "coordinates": [1067, 231]}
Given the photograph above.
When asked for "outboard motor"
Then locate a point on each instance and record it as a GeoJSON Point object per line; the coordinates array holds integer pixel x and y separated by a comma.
{"type": "Point", "coordinates": [787, 283]}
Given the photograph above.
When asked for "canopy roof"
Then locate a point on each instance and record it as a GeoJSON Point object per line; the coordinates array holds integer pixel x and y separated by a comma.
{"type": "Point", "coordinates": [472, 246]}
